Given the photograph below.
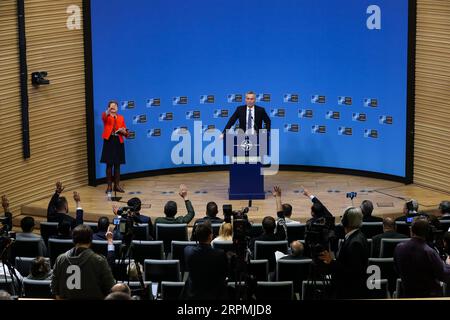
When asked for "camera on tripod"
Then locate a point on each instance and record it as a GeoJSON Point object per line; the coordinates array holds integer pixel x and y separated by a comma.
{"type": "Point", "coordinates": [318, 236]}
{"type": "Point", "coordinates": [127, 220]}
{"type": "Point", "coordinates": [240, 221]}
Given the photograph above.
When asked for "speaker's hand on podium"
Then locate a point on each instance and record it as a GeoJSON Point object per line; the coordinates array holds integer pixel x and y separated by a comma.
{"type": "Point", "coordinates": [183, 192]}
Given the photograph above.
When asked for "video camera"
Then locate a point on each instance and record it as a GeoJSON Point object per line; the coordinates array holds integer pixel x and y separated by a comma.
{"type": "Point", "coordinates": [319, 234]}
{"type": "Point", "coordinates": [125, 221]}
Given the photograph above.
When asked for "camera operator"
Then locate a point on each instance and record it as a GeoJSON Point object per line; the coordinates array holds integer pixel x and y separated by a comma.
{"type": "Point", "coordinates": [7, 220]}
{"type": "Point", "coordinates": [349, 269]}
{"type": "Point", "coordinates": [410, 211]}
{"type": "Point", "coordinates": [136, 204]}
{"type": "Point", "coordinates": [444, 210]}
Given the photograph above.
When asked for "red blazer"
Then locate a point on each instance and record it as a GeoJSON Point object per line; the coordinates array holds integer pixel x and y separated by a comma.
{"type": "Point", "coordinates": [108, 121]}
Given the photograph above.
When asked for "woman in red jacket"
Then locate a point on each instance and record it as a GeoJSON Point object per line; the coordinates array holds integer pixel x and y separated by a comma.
{"type": "Point", "coordinates": [113, 153]}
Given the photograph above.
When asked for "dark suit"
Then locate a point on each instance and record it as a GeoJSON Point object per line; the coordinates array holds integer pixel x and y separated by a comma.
{"type": "Point", "coordinates": [370, 218]}
{"type": "Point", "coordinates": [203, 220]}
{"type": "Point", "coordinates": [207, 269]}
{"type": "Point", "coordinates": [240, 114]}
{"type": "Point", "coordinates": [376, 241]}
{"type": "Point", "coordinates": [349, 270]}
{"type": "Point", "coordinates": [53, 216]}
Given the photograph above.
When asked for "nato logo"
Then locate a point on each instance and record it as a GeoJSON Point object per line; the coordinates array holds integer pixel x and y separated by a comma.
{"type": "Point", "coordinates": [290, 97]}
{"type": "Point", "coordinates": [181, 130]}
{"type": "Point", "coordinates": [153, 102]}
{"type": "Point", "coordinates": [263, 97]}
{"type": "Point", "coordinates": [305, 113]}
{"type": "Point", "coordinates": [345, 101]}
{"type": "Point", "coordinates": [127, 105]}
{"type": "Point", "coordinates": [153, 133]}
{"type": "Point", "coordinates": [318, 99]}
{"type": "Point", "coordinates": [142, 118]}
{"type": "Point", "coordinates": [208, 127]}
{"type": "Point", "coordinates": [131, 135]}
{"type": "Point", "coordinates": [193, 115]}
{"type": "Point", "coordinates": [336, 115]}
{"type": "Point", "coordinates": [385, 120]}
{"type": "Point", "coordinates": [207, 99]}
{"type": "Point", "coordinates": [166, 116]}
{"type": "Point", "coordinates": [180, 100]}
{"type": "Point", "coordinates": [278, 113]}
{"type": "Point", "coordinates": [345, 131]}
{"type": "Point", "coordinates": [235, 97]}
{"type": "Point", "coordinates": [371, 102]}
{"type": "Point", "coordinates": [291, 127]}
{"type": "Point", "coordinates": [370, 133]}
{"type": "Point", "coordinates": [221, 113]}
{"type": "Point", "coordinates": [318, 129]}
{"type": "Point", "coordinates": [359, 116]}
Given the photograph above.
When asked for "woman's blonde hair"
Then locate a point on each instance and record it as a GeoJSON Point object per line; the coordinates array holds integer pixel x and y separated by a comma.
{"type": "Point", "coordinates": [226, 230]}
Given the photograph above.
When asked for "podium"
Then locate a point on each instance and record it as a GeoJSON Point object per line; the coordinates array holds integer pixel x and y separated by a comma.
{"type": "Point", "coordinates": [246, 178]}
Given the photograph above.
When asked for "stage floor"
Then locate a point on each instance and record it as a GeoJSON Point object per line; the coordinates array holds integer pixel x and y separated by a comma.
{"type": "Point", "coordinates": [388, 196]}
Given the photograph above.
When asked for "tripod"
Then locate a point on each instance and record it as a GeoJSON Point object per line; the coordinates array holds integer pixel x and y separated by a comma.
{"type": "Point", "coordinates": [318, 278]}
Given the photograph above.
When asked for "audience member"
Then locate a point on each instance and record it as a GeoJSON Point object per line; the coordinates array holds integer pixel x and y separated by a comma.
{"type": "Point", "coordinates": [211, 216]}
{"type": "Point", "coordinates": [367, 209]}
{"type": "Point", "coordinates": [225, 232]}
{"type": "Point", "coordinates": [410, 210]}
{"type": "Point", "coordinates": [40, 269]}
{"type": "Point", "coordinates": [444, 210]}
{"type": "Point", "coordinates": [118, 296]}
{"type": "Point", "coordinates": [297, 250]}
{"type": "Point", "coordinates": [285, 209]}
{"type": "Point", "coordinates": [388, 233]}
{"type": "Point", "coordinates": [7, 214]}
{"type": "Point", "coordinates": [58, 208]}
{"type": "Point", "coordinates": [170, 210]}
{"type": "Point", "coordinates": [27, 225]}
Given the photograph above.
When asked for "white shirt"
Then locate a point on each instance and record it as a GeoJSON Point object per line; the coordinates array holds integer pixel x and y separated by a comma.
{"type": "Point", "coordinates": [252, 113]}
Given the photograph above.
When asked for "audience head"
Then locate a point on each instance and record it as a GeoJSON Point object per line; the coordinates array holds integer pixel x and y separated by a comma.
{"type": "Point", "coordinates": [40, 268]}
{"type": "Point", "coordinates": [444, 207]}
{"type": "Point", "coordinates": [27, 224]}
{"type": "Point", "coordinates": [366, 208]}
{"type": "Point", "coordinates": [420, 227]}
{"type": "Point", "coordinates": [82, 235]}
{"type": "Point", "coordinates": [388, 224]}
{"type": "Point", "coordinates": [103, 224]}
{"type": "Point", "coordinates": [297, 248]}
{"type": "Point", "coordinates": [226, 230]}
{"type": "Point", "coordinates": [211, 209]}
{"type": "Point", "coordinates": [268, 225]}
{"type": "Point", "coordinates": [447, 242]}
{"type": "Point", "coordinates": [64, 228]}
{"type": "Point", "coordinates": [121, 287]}
{"type": "Point", "coordinates": [170, 209]}
{"type": "Point", "coordinates": [5, 295]}
{"type": "Point", "coordinates": [135, 203]}
{"type": "Point", "coordinates": [132, 271]}
{"type": "Point", "coordinates": [61, 205]}
{"type": "Point", "coordinates": [203, 232]}
{"type": "Point", "coordinates": [287, 210]}
{"type": "Point", "coordinates": [411, 206]}
{"type": "Point", "coordinates": [317, 210]}
{"type": "Point", "coordinates": [118, 296]}
{"type": "Point", "coordinates": [352, 219]}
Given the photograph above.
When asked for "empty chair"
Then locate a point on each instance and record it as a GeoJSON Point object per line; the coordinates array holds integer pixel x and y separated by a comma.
{"type": "Point", "coordinates": [23, 265]}
{"type": "Point", "coordinates": [169, 232]}
{"type": "Point", "coordinates": [259, 269]}
{"type": "Point", "coordinates": [48, 229]}
{"type": "Point", "coordinates": [223, 244]}
{"type": "Point", "coordinates": [171, 290]}
{"type": "Point", "coordinates": [57, 247]}
{"type": "Point", "coordinates": [177, 252]}
{"type": "Point", "coordinates": [101, 247]}
{"type": "Point", "coordinates": [26, 248]}
{"type": "Point", "coordinates": [266, 250]}
{"type": "Point", "coordinates": [140, 231]}
{"type": "Point", "coordinates": [256, 230]}
{"type": "Point", "coordinates": [37, 288]}
{"type": "Point", "coordinates": [316, 290]}
{"type": "Point", "coordinates": [379, 289]}
{"type": "Point", "coordinates": [162, 270]}
{"type": "Point", "coordinates": [294, 270]}
{"type": "Point", "coordinates": [403, 228]}
{"type": "Point", "coordinates": [371, 229]}
{"type": "Point", "coordinates": [93, 225]}
{"type": "Point", "coordinates": [295, 231]}
{"type": "Point", "coordinates": [282, 290]}
{"type": "Point", "coordinates": [387, 268]}
{"type": "Point", "coordinates": [388, 246]}
{"type": "Point", "coordinates": [142, 250]}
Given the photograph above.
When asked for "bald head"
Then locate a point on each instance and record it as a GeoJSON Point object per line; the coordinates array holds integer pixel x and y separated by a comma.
{"type": "Point", "coordinates": [297, 248]}
{"type": "Point", "coordinates": [121, 287]}
{"type": "Point", "coordinates": [388, 224]}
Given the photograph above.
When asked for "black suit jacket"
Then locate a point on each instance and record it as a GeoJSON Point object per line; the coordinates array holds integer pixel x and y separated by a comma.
{"type": "Point", "coordinates": [349, 270]}
{"type": "Point", "coordinates": [54, 216]}
{"type": "Point", "coordinates": [241, 115]}
{"type": "Point", "coordinates": [376, 241]}
{"type": "Point", "coordinates": [208, 268]}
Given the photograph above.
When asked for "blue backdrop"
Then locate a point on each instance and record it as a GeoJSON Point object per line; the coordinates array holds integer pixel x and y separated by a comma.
{"type": "Point", "coordinates": [337, 88]}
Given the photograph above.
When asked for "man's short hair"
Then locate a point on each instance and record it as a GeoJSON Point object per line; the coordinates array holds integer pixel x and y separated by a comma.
{"type": "Point", "coordinates": [82, 234]}
{"type": "Point", "coordinates": [121, 287]}
{"type": "Point", "coordinates": [444, 206]}
{"type": "Point", "coordinates": [287, 210]}
{"type": "Point", "coordinates": [27, 224]}
{"type": "Point", "coordinates": [118, 296]}
{"type": "Point", "coordinates": [250, 92]}
{"type": "Point", "coordinates": [352, 218]}
{"type": "Point", "coordinates": [366, 208]}
{"type": "Point", "coordinates": [135, 203]}
{"type": "Point", "coordinates": [103, 224]}
{"type": "Point", "coordinates": [388, 223]}
{"type": "Point", "coordinates": [412, 205]}
{"type": "Point", "coordinates": [203, 231]}
{"type": "Point", "coordinates": [211, 209]}
{"type": "Point", "coordinates": [420, 227]}
{"type": "Point", "coordinates": [297, 248]}
{"type": "Point", "coordinates": [318, 210]}
{"type": "Point", "coordinates": [170, 209]}
{"type": "Point", "coordinates": [61, 203]}
{"type": "Point", "coordinates": [268, 224]}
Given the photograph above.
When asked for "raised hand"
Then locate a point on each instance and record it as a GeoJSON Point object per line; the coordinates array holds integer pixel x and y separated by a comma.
{"type": "Point", "coordinates": [183, 191]}
{"type": "Point", "coordinates": [306, 192]}
{"type": "Point", "coordinates": [76, 196]}
{"type": "Point", "coordinates": [59, 187]}
{"type": "Point", "coordinates": [5, 203]}
{"type": "Point", "coordinates": [276, 191]}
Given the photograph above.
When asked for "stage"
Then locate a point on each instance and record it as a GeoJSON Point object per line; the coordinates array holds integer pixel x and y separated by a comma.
{"type": "Point", "coordinates": [387, 196]}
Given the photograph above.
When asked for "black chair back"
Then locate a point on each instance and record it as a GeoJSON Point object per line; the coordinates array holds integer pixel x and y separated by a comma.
{"type": "Point", "coordinates": [267, 249]}
{"type": "Point", "coordinates": [57, 247]}
{"type": "Point", "coordinates": [171, 290]}
{"type": "Point", "coordinates": [294, 270]}
{"type": "Point", "coordinates": [48, 229]}
{"type": "Point", "coordinates": [162, 270]}
{"type": "Point", "coordinates": [371, 229]}
{"type": "Point", "coordinates": [283, 290]}
{"type": "Point", "coordinates": [37, 288]}
{"type": "Point", "coordinates": [169, 232]}
{"type": "Point", "coordinates": [295, 231]}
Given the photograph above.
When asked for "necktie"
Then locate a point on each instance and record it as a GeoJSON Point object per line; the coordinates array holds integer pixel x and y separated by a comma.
{"type": "Point", "coordinates": [249, 119]}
